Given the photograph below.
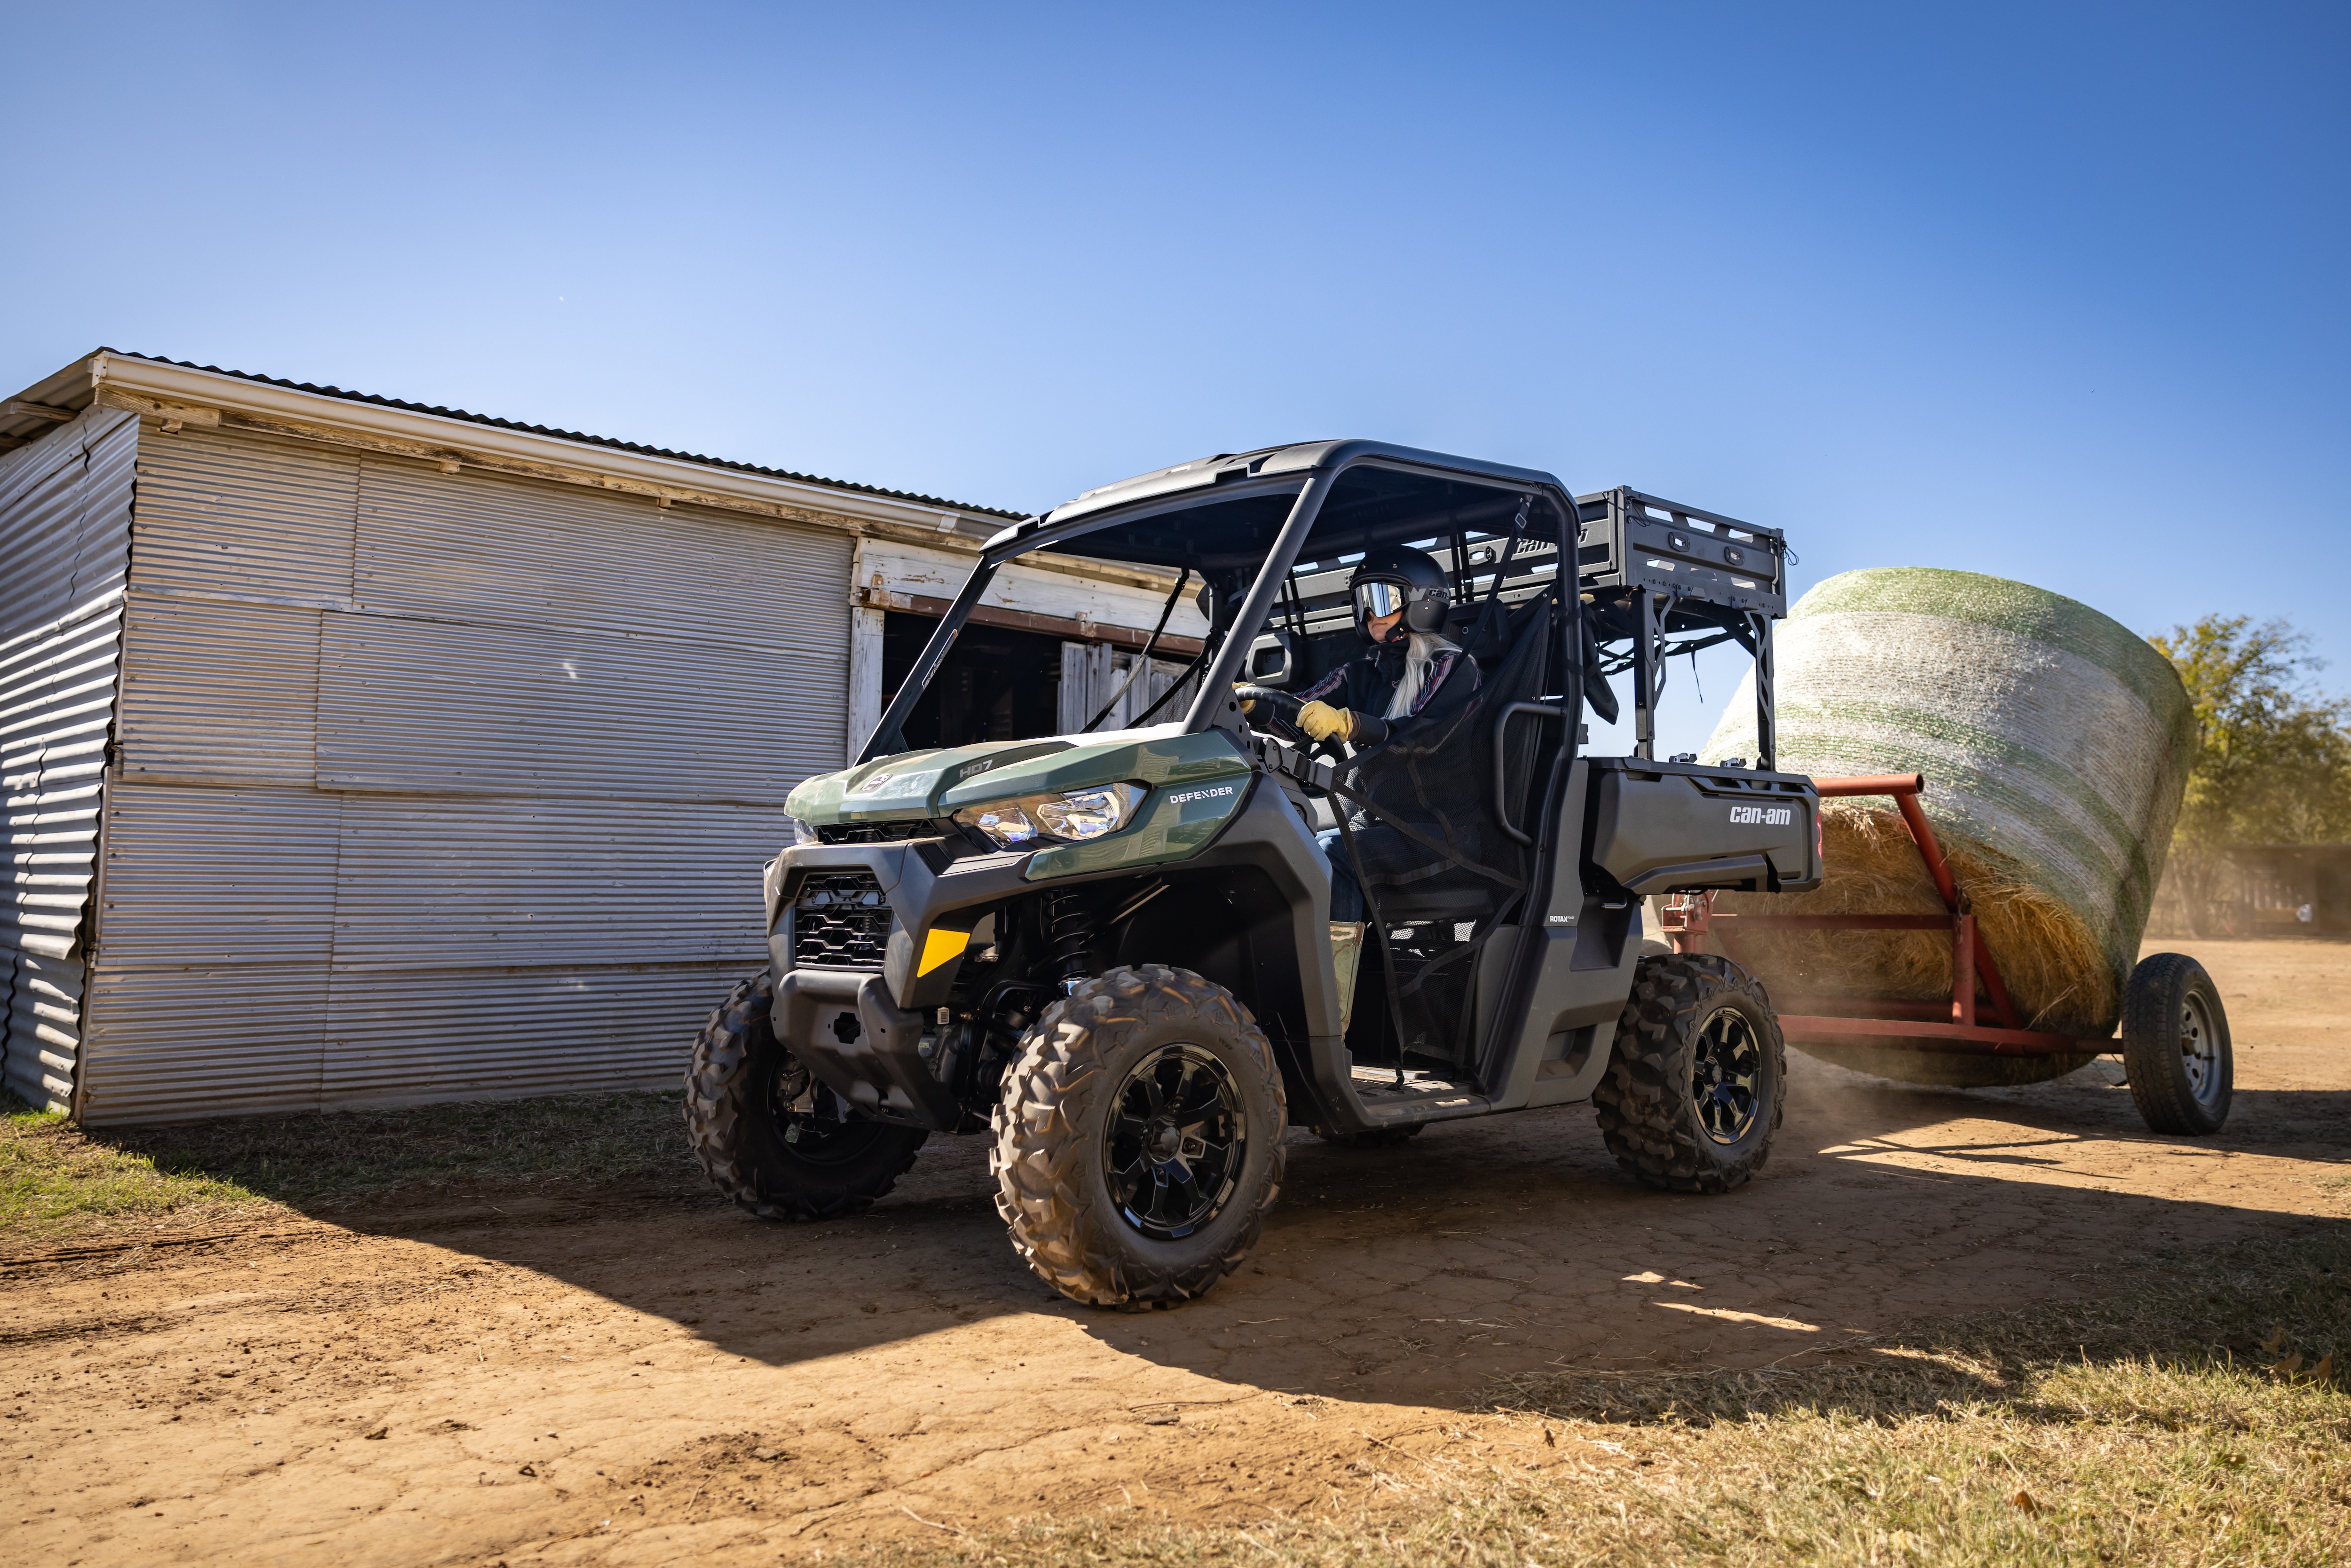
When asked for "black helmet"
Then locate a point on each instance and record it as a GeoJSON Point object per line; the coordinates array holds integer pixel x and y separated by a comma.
{"type": "Point", "coordinates": [1400, 577]}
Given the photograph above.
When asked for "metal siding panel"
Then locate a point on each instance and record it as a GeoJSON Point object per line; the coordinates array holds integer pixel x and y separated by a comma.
{"type": "Point", "coordinates": [64, 521]}
{"type": "Point", "coordinates": [475, 1033]}
{"type": "Point", "coordinates": [228, 511]}
{"type": "Point", "coordinates": [220, 689]}
{"type": "Point", "coordinates": [488, 548]}
{"type": "Point", "coordinates": [430, 705]}
{"type": "Point", "coordinates": [164, 1046]}
{"type": "Point", "coordinates": [45, 1029]}
{"type": "Point", "coordinates": [435, 883]}
{"type": "Point", "coordinates": [56, 700]}
{"type": "Point", "coordinates": [204, 878]}
{"type": "Point", "coordinates": [65, 526]}
{"type": "Point", "coordinates": [171, 1044]}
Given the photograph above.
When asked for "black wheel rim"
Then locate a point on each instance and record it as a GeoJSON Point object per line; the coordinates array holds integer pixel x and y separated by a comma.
{"type": "Point", "coordinates": [2199, 1051]}
{"type": "Point", "coordinates": [1725, 1075]}
{"type": "Point", "coordinates": [1176, 1138]}
{"type": "Point", "coordinates": [811, 1118]}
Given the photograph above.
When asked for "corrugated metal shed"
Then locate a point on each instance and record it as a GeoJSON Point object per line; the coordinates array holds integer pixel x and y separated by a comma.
{"type": "Point", "coordinates": [65, 523]}
{"type": "Point", "coordinates": [437, 783]}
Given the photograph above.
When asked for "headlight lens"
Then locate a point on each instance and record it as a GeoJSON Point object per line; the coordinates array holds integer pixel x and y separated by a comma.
{"type": "Point", "coordinates": [1073, 817]}
{"type": "Point", "coordinates": [804, 834]}
{"type": "Point", "coordinates": [1006, 824]}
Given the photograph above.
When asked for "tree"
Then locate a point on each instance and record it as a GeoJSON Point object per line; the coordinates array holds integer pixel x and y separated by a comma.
{"type": "Point", "coordinates": [2272, 761]}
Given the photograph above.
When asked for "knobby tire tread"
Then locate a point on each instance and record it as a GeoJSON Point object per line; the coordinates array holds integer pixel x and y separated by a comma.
{"type": "Point", "coordinates": [1046, 1192]}
{"type": "Point", "coordinates": [722, 1089]}
{"type": "Point", "coordinates": [1643, 1099]}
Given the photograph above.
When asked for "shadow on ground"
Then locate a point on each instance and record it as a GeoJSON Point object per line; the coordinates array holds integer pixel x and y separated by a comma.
{"type": "Point", "coordinates": [1480, 1250]}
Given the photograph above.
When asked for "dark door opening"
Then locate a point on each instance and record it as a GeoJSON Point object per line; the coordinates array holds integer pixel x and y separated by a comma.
{"type": "Point", "coordinates": [995, 684]}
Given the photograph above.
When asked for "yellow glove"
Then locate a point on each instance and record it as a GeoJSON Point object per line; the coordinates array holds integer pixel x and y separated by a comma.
{"type": "Point", "coordinates": [1321, 721]}
{"type": "Point", "coordinates": [1249, 705]}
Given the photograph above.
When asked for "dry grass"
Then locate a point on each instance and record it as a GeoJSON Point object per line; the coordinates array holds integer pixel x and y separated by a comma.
{"type": "Point", "coordinates": [2194, 1419]}
{"type": "Point", "coordinates": [56, 1177]}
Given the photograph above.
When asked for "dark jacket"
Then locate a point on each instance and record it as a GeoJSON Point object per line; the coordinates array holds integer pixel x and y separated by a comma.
{"type": "Point", "coordinates": [1425, 770]}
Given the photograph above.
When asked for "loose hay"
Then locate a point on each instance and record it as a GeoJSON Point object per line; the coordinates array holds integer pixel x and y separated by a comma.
{"type": "Point", "coordinates": [2055, 746]}
{"type": "Point", "coordinates": [2055, 972]}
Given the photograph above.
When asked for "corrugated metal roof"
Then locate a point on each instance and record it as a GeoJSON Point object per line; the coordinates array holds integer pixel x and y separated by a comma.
{"type": "Point", "coordinates": [59, 387]}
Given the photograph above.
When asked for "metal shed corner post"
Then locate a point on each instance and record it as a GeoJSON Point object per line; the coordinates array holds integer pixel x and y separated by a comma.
{"type": "Point", "coordinates": [64, 530]}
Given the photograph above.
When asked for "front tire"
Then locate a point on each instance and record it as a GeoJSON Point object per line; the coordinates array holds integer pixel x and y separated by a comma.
{"type": "Point", "coordinates": [772, 1139]}
{"type": "Point", "coordinates": [1697, 1079]}
{"type": "Point", "coordinates": [2176, 1045]}
{"type": "Point", "coordinates": [1137, 1141]}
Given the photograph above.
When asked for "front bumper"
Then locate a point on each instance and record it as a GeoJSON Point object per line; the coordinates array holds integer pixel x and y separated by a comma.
{"type": "Point", "coordinates": [844, 1027]}
{"type": "Point", "coordinates": [861, 1031]}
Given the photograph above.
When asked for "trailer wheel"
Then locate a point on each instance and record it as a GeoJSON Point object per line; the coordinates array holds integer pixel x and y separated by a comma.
{"type": "Point", "coordinates": [1137, 1140]}
{"type": "Point", "coordinates": [775, 1142]}
{"type": "Point", "coordinates": [1697, 1079]}
{"type": "Point", "coordinates": [2176, 1045]}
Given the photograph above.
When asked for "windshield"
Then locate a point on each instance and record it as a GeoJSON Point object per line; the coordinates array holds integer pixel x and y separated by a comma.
{"type": "Point", "coordinates": [1256, 564]}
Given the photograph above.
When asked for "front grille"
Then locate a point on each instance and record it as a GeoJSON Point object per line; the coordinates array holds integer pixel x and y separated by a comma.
{"type": "Point", "coordinates": [879, 832]}
{"type": "Point", "coordinates": [839, 921]}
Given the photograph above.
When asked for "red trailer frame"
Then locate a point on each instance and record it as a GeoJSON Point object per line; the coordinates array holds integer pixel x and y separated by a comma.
{"type": "Point", "coordinates": [1949, 1027]}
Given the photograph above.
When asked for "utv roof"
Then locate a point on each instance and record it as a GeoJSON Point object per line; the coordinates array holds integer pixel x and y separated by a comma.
{"type": "Point", "coordinates": [1299, 458]}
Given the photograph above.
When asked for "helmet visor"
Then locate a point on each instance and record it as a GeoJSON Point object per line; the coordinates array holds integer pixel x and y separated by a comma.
{"type": "Point", "coordinates": [1373, 599]}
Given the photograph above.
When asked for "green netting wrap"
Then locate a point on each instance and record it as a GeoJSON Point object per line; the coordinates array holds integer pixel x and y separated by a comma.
{"type": "Point", "coordinates": [2055, 745]}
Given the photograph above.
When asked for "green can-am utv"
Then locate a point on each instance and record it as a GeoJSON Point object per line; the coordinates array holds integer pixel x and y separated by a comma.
{"type": "Point", "coordinates": [1112, 953]}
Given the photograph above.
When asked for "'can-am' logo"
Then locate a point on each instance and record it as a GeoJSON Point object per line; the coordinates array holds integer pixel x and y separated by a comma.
{"type": "Point", "coordinates": [1769, 816]}
{"type": "Point", "coordinates": [1201, 794]}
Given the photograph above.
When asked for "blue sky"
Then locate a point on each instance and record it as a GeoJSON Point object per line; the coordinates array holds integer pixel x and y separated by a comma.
{"type": "Point", "coordinates": [2054, 292]}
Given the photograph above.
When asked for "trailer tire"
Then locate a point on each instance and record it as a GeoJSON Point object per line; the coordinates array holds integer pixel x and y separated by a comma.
{"type": "Point", "coordinates": [1090, 1124]}
{"type": "Point", "coordinates": [1690, 1015]}
{"type": "Point", "coordinates": [739, 1092]}
{"type": "Point", "coordinates": [2176, 1045]}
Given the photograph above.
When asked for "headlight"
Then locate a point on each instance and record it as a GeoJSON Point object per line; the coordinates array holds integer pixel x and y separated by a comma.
{"type": "Point", "coordinates": [1072, 818]}
{"type": "Point", "coordinates": [803, 834]}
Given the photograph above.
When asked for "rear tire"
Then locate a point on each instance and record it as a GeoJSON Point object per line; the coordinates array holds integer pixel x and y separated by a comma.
{"type": "Point", "coordinates": [1137, 1141]}
{"type": "Point", "coordinates": [1697, 1079]}
{"type": "Point", "coordinates": [2176, 1045]}
{"type": "Point", "coordinates": [773, 1140]}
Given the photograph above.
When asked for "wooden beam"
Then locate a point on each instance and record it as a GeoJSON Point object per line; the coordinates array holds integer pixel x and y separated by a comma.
{"type": "Point", "coordinates": [1069, 629]}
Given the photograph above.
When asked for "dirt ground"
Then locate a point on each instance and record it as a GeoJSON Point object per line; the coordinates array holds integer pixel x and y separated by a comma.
{"type": "Point", "coordinates": [641, 1376]}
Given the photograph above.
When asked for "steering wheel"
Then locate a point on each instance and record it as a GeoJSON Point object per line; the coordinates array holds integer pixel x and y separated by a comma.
{"type": "Point", "coordinates": [1332, 750]}
{"type": "Point", "coordinates": [1266, 694]}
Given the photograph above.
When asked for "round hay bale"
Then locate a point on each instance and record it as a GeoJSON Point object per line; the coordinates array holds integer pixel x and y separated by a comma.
{"type": "Point", "coordinates": [2055, 745]}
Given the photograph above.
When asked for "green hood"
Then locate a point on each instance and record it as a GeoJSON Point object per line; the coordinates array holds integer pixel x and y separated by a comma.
{"type": "Point", "coordinates": [940, 782]}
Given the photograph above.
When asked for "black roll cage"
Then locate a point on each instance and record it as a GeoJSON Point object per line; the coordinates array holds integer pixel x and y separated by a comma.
{"type": "Point", "coordinates": [1312, 484]}
{"type": "Point", "coordinates": [1645, 568]}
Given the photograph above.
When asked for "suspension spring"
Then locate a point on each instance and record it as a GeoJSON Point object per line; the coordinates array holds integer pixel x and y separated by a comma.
{"type": "Point", "coordinates": [1069, 934]}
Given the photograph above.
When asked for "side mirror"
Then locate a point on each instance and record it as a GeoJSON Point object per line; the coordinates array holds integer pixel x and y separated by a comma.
{"type": "Point", "coordinates": [1273, 661]}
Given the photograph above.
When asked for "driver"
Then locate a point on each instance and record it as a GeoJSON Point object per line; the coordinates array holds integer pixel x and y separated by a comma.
{"type": "Point", "coordinates": [1408, 694]}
